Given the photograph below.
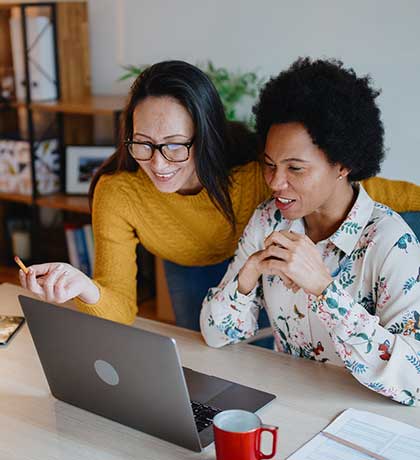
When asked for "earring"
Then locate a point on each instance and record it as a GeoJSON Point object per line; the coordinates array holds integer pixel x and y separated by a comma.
{"type": "Point", "coordinates": [340, 177]}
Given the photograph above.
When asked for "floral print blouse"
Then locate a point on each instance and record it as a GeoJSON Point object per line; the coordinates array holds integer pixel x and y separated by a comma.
{"type": "Point", "coordinates": [367, 319]}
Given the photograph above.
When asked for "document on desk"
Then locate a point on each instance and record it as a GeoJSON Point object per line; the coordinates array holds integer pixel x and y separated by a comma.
{"type": "Point", "coordinates": [366, 433]}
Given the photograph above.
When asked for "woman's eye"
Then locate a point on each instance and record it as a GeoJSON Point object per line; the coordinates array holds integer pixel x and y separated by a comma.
{"type": "Point", "coordinates": [173, 146]}
{"type": "Point", "coordinates": [295, 168]}
{"type": "Point", "coordinates": [269, 165]}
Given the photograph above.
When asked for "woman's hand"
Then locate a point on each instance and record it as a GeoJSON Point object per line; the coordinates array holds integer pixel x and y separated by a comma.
{"type": "Point", "coordinates": [59, 282]}
{"type": "Point", "coordinates": [297, 258]}
{"type": "Point", "coordinates": [262, 262]}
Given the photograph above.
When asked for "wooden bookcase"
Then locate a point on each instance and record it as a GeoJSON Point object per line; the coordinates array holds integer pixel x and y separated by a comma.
{"type": "Point", "coordinates": [19, 118]}
{"type": "Point", "coordinates": [75, 111]}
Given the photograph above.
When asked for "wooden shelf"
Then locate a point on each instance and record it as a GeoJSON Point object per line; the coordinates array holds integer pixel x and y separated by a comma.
{"type": "Point", "coordinates": [93, 105]}
{"type": "Point", "coordinates": [56, 201]}
{"type": "Point", "coordinates": [9, 274]}
{"type": "Point", "coordinates": [147, 309]}
{"type": "Point", "coordinates": [12, 3]}
{"type": "Point", "coordinates": [65, 202]}
{"type": "Point", "coordinates": [16, 197]}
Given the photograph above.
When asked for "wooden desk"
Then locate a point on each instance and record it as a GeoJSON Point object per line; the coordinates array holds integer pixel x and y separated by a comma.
{"type": "Point", "coordinates": [34, 425]}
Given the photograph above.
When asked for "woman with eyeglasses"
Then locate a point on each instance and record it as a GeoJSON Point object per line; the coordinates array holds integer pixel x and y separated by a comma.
{"type": "Point", "coordinates": [182, 183]}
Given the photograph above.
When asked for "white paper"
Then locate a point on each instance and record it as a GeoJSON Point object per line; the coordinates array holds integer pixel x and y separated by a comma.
{"type": "Point", "coordinates": [384, 436]}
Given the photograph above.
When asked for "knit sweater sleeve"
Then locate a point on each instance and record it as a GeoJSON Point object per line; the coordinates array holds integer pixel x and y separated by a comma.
{"type": "Point", "coordinates": [400, 196]}
{"type": "Point", "coordinates": [115, 254]}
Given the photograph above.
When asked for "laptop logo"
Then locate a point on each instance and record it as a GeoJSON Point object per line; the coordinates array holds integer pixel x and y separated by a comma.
{"type": "Point", "coordinates": [106, 372]}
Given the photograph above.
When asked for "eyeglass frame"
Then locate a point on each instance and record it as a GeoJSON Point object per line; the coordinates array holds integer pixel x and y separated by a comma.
{"type": "Point", "coordinates": [159, 147]}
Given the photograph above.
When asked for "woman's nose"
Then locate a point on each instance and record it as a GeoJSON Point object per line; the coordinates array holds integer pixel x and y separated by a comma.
{"type": "Point", "coordinates": [158, 161]}
{"type": "Point", "coordinates": [278, 180]}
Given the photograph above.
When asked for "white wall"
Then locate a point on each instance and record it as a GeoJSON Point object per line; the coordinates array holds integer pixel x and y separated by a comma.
{"type": "Point", "coordinates": [380, 37]}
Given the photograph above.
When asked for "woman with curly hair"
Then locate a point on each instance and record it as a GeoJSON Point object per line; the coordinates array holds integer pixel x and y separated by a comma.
{"type": "Point", "coordinates": [338, 273]}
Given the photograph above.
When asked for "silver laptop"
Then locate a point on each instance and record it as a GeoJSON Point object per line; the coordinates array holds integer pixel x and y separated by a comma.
{"type": "Point", "coordinates": [130, 375]}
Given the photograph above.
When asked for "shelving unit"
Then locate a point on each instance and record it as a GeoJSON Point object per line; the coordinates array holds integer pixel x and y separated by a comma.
{"type": "Point", "coordinates": [109, 105]}
{"type": "Point", "coordinates": [73, 112]}
{"type": "Point", "coordinates": [66, 25]}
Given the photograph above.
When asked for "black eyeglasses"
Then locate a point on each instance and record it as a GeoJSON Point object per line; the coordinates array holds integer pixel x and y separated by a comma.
{"type": "Point", "coordinates": [174, 152]}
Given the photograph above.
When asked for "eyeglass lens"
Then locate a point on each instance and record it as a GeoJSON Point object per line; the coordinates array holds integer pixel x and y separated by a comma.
{"type": "Point", "coordinates": [172, 152]}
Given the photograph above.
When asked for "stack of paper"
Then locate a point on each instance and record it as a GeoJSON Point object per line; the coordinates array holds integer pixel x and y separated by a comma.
{"type": "Point", "coordinates": [357, 431]}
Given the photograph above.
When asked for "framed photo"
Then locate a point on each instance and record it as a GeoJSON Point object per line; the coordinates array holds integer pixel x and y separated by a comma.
{"type": "Point", "coordinates": [81, 164]}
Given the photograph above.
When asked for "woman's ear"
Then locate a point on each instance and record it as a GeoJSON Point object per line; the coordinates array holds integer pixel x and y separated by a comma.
{"type": "Point", "coordinates": [343, 172]}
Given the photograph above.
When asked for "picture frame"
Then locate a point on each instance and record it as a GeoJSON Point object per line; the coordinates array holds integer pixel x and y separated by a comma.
{"type": "Point", "coordinates": [82, 161]}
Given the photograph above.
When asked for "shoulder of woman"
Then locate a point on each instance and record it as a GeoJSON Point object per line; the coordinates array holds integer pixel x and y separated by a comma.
{"type": "Point", "coordinates": [116, 187]}
{"type": "Point", "coordinates": [249, 179]}
{"type": "Point", "coordinates": [247, 171]}
{"type": "Point", "coordinates": [388, 229]}
{"type": "Point", "coordinates": [397, 194]}
{"type": "Point", "coordinates": [117, 180]}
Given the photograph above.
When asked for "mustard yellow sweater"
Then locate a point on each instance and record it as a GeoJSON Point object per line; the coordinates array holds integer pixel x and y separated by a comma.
{"type": "Point", "coordinates": [185, 229]}
{"type": "Point", "coordinates": [398, 195]}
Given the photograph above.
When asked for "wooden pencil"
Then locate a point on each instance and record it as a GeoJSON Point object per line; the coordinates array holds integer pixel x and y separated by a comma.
{"type": "Point", "coordinates": [21, 265]}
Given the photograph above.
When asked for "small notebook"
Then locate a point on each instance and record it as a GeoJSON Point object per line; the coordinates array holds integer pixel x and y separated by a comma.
{"type": "Point", "coordinates": [356, 432]}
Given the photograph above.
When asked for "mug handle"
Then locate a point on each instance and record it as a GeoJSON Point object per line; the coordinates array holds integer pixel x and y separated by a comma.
{"type": "Point", "coordinates": [273, 430]}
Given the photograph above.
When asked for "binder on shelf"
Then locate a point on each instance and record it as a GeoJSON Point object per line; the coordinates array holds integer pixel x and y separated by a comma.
{"type": "Point", "coordinates": [41, 62]}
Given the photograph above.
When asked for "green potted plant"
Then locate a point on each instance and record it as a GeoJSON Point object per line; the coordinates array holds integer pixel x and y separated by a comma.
{"type": "Point", "coordinates": [233, 86]}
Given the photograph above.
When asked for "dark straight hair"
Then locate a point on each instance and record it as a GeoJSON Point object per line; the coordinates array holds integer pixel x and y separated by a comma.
{"type": "Point", "coordinates": [218, 145]}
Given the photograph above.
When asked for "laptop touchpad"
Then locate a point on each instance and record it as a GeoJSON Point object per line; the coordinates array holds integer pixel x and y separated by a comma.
{"type": "Point", "coordinates": [203, 387]}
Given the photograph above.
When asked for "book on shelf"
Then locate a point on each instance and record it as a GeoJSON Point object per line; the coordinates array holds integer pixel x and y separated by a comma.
{"type": "Point", "coordinates": [82, 251]}
{"type": "Point", "coordinates": [80, 247]}
{"type": "Point", "coordinates": [71, 245]}
{"type": "Point", "coordinates": [89, 244]}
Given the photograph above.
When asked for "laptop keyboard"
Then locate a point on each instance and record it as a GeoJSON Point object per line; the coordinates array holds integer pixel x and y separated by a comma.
{"type": "Point", "coordinates": [203, 414]}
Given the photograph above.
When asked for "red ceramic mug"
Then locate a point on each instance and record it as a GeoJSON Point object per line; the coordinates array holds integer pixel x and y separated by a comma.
{"type": "Point", "coordinates": [237, 435]}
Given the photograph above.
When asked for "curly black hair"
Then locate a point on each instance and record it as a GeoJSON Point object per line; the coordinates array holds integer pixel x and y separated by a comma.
{"type": "Point", "coordinates": [337, 108]}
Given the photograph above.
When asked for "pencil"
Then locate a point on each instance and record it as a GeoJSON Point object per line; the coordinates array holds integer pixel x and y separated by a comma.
{"type": "Point", "coordinates": [361, 449]}
{"type": "Point", "coordinates": [21, 265]}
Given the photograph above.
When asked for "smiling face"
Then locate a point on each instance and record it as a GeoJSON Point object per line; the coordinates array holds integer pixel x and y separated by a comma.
{"type": "Point", "coordinates": [163, 120]}
{"type": "Point", "coordinates": [298, 172]}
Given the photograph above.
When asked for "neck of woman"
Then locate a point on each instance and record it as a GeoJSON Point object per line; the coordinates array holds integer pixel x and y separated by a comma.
{"type": "Point", "coordinates": [322, 223]}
